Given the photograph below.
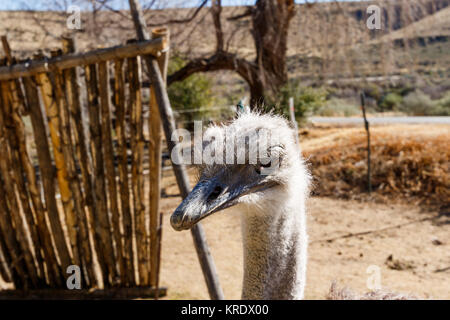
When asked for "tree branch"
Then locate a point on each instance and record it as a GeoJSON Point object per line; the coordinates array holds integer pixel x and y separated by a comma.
{"type": "Point", "coordinates": [221, 60]}
{"type": "Point", "coordinates": [216, 9]}
{"type": "Point", "coordinates": [104, 4]}
{"type": "Point", "coordinates": [248, 12]}
{"type": "Point", "coordinates": [268, 72]}
{"type": "Point", "coordinates": [178, 21]}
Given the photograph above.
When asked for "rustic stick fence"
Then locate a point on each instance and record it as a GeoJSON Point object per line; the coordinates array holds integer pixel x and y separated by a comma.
{"type": "Point", "coordinates": [72, 191]}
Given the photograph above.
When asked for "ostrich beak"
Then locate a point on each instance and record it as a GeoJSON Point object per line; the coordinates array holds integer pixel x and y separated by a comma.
{"type": "Point", "coordinates": [210, 196]}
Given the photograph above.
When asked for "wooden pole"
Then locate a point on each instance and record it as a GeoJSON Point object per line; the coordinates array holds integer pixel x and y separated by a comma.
{"type": "Point", "coordinates": [165, 110]}
{"type": "Point", "coordinates": [80, 232]}
{"type": "Point", "coordinates": [151, 47]}
{"type": "Point", "coordinates": [47, 171]}
{"type": "Point", "coordinates": [155, 158]}
{"type": "Point", "coordinates": [10, 193]}
{"type": "Point", "coordinates": [18, 107]}
{"type": "Point", "coordinates": [16, 149]}
{"type": "Point", "coordinates": [292, 115]}
{"type": "Point", "coordinates": [121, 111]}
{"type": "Point", "coordinates": [158, 265]}
{"type": "Point", "coordinates": [19, 276]}
{"type": "Point", "coordinates": [49, 257]}
{"type": "Point", "coordinates": [367, 127]}
{"type": "Point", "coordinates": [100, 221]}
{"type": "Point", "coordinates": [51, 108]}
{"type": "Point", "coordinates": [70, 79]}
{"type": "Point", "coordinates": [5, 260]}
{"type": "Point", "coordinates": [19, 229]}
{"type": "Point", "coordinates": [108, 153]}
{"type": "Point", "coordinates": [137, 151]}
{"type": "Point", "coordinates": [16, 87]}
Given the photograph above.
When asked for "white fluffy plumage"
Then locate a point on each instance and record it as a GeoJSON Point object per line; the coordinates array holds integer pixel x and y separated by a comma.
{"type": "Point", "coordinates": [273, 220]}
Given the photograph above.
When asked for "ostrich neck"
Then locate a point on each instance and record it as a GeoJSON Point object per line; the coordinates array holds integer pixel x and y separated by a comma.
{"type": "Point", "coordinates": [275, 244]}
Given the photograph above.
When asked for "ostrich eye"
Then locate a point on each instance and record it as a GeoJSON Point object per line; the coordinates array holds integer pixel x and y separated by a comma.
{"type": "Point", "coordinates": [258, 167]}
{"type": "Point", "coordinates": [267, 165]}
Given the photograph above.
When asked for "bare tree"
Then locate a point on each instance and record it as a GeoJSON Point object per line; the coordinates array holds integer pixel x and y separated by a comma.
{"type": "Point", "coordinates": [269, 29]}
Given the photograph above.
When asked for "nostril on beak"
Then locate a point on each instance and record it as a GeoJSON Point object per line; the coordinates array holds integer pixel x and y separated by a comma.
{"type": "Point", "coordinates": [215, 193]}
{"type": "Point", "coordinates": [175, 221]}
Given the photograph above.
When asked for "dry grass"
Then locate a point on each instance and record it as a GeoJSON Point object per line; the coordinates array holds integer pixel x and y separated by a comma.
{"type": "Point", "coordinates": [406, 162]}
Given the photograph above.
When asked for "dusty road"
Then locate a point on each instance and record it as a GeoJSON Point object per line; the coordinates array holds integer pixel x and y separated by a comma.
{"type": "Point", "coordinates": [381, 120]}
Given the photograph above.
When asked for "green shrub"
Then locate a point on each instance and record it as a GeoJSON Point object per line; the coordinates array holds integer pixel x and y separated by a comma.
{"type": "Point", "coordinates": [418, 103]}
{"type": "Point", "coordinates": [338, 108]}
{"type": "Point", "coordinates": [372, 91]}
{"type": "Point", "coordinates": [307, 100]}
{"type": "Point", "coordinates": [391, 101]}
{"type": "Point", "coordinates": [443, 106]}
{"type": "Point", "coordinates": [193, 92]}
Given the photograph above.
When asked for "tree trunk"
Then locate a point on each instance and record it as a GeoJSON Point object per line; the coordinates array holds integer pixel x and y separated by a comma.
{"type": "Point", "coordinates": [270, 24]}
{"type": "Point", "coordinates": [267, 73]}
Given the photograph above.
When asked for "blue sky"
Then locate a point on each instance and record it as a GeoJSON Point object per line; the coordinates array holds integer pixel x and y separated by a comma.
{"type": "Point", "coordinates": [117, 4]}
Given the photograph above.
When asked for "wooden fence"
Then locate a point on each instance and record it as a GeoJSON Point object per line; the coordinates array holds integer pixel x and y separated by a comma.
{"type": "Point", "coordinates": [72, 158]}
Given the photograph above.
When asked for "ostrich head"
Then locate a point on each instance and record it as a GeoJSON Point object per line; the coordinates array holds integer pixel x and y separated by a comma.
{"type": "Point", "coordinates": [255, 162]}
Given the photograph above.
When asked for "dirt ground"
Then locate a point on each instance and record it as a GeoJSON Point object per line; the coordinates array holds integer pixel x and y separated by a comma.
{"type": "Point", "coordinates": [418, 240]}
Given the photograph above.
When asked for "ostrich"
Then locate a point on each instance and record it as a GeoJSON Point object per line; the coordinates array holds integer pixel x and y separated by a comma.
{"type": "Point", "coordinates": [270, 193]}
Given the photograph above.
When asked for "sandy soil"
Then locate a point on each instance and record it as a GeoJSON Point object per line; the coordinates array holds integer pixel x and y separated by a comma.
{"type": "Point", "coordinates": [418, 240]}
